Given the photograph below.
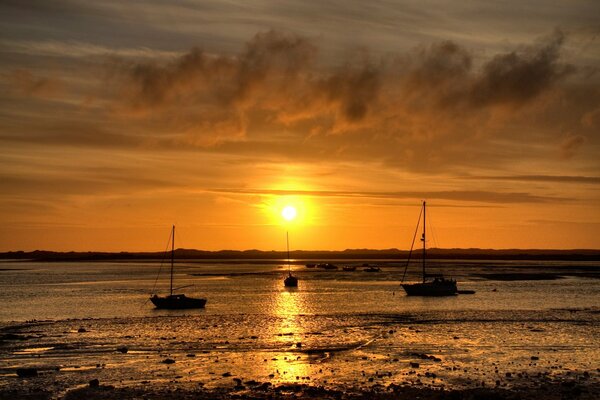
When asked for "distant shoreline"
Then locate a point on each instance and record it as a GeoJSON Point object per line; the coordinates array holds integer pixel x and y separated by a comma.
{"type": "Point", "coordinates": [350, 254]}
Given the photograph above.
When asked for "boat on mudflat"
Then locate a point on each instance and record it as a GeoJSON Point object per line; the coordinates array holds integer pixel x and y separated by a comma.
{"type": "Point", "coordinates": [432, 284]}
{"type": "Point", "coordinates": [176, 301]}
{"type": "Point", "coordinates": [290, 280]}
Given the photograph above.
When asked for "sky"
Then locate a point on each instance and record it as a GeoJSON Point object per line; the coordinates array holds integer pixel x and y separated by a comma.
{"type": "Point", "coordinates": [120, 119]}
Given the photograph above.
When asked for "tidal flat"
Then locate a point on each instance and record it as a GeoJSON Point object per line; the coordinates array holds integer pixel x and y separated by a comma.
{"type": "Point", "coordinates": [88, 332]}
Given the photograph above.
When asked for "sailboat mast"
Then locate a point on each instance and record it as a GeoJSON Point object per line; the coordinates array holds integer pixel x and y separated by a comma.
{"type": "Point", "coordinates": [424, 237]}
{"type": "Point", "coordinates": [172, 259]}
{"type": "Point", "coordinates": [287, 239]}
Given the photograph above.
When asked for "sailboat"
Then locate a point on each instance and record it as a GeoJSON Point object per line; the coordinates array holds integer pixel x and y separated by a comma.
{"type": "Point", "coordinates": [432, 285]}
{"type": "Point", "coordinates": [290, 280]}
{"type": "Point", "coordinates": [175, 301]}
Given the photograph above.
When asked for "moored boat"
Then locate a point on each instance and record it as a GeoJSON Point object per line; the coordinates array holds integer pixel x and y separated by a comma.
{"type": "Point", "coordinates": [175, 301]}
{"type": "Point", "coordinates": [290, 280]}
{"type": "Point", "coordinates": [432, 285]}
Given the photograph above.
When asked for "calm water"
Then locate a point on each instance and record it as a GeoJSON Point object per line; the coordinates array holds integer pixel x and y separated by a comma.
{"type": "Point", "coordinates": [336, 328]}
{"type": "Point", "coordinates": [107, 290]}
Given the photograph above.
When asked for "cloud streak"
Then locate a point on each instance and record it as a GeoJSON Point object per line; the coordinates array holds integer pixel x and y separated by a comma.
{"type": "Point", "coordinates": [457, 195]}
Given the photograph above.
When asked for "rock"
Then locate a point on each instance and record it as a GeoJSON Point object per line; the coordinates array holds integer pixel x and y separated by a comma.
{"type": "Point", "coordinates": [81, 330]}
{"type": "Point", "coordinates": [94, 383]}
{"type": "Point", "coordinates": [299, 344]}
{"type": "Point", "coordinates": [226, 374]}
{"type": "Point", "coordinates": [122, 349]}
{"type": "Point", "coordinates": [414, 365]}
{"type": "Point", "coordinates": [168, 361]}
{"type": "Point", "coordinates": [27, 372]}
{"type": "Point", "coordinates": [534, 358]}
{"type": "Point", "coordinates": [190, 355]}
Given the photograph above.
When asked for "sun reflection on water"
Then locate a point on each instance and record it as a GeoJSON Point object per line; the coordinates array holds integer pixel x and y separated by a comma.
{"type": "Point", "coordinates": [288, 364]}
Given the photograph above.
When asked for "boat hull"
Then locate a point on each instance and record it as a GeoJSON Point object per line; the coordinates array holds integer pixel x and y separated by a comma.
{"type": "Point", "coordinates": [290, 281]}
{"type": "Point", "coordinates": [177, 302]}
{"type": "Point", "coordinates": [431, 289]}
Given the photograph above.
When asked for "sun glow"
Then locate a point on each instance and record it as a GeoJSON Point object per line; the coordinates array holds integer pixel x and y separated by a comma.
{"type": "Point", "coordinates": [289, 213]}
{"type": "Point", "coordinates": [288, 207]}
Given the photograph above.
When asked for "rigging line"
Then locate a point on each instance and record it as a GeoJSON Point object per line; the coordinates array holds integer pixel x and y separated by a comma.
{"type": "Point", "coordinates": [412, 245]}
{"type": "Point", "coordinates": [162, 261]}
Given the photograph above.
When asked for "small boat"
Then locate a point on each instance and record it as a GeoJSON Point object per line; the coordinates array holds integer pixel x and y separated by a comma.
{"type": "Point", "coordinates": [290, 280]}
{"type": "Point", "coordinates": [311, 265]}
{"type": "Point", "coordinates": [175, 301]}
{"type": "Point", "coordinates": [372, 269]}
{"type": "Point", "coordinates": [327, 266]}
{"type": "Point", "coordinates": [349, 268]}
{"type": "Point", "coordinates": [432, 285]}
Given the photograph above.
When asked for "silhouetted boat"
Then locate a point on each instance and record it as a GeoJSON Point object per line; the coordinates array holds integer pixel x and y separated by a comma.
{"type": "Point", "coordinates": [327, 266]}
{"type": "Point", "coordinates": [175, 301]}
{"type": "Point", "coordinates": [432, 285]}
{"type": "Point", "coordinates": [349, 268]}
{"type": "Point", "coordinates": [372, 269]}
{"type": "Point", "coordinates": [290, 280]}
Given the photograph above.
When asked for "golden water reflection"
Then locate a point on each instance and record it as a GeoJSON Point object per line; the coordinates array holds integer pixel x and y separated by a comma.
{"type": "Point", "coordinates": [289, 364]}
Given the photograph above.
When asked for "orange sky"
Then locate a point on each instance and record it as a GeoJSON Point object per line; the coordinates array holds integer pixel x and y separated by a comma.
{"type": "Point", "coordinates": [118, 120]}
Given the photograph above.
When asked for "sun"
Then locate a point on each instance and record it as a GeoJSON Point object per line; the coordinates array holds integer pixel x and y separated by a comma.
{"type": "Point", "coordinates": [289, 213]}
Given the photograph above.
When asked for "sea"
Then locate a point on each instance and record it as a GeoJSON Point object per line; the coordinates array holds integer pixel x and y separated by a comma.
{"type": "Point", "coordinates": [528, 322]}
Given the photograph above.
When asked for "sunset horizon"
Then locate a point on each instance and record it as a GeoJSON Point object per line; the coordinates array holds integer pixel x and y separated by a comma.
{"type": "Point", "coordinates": [214, 117]}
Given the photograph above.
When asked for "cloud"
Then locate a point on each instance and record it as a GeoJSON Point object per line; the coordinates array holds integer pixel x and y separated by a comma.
{"type": "Point", "coordinates": [591, 180]}
{"type": "Point", "coordinates": [79, 49]}
{"type": "Point", "coordinates": [276, 83]}
{"type": "Point", "coordinates": [571, 145]}
{"type": "Point", "coordinates": [519, 76]}
{"type": "Point", "coordinates": [591, 119]}
{"type": "Point", "coordinates": [458, 195]}
{"type": "Point", "coordinates": [25, 83]}
{"type": "Point", "coordinates": [416, 110]}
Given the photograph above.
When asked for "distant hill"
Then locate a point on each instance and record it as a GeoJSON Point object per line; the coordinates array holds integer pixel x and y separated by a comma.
{"type": "Point", "coordinates": [349, 254]}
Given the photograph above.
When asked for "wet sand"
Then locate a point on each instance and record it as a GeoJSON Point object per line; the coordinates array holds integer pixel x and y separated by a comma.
{"type": "Point", "coordinates": [386, 356]}
{"type": "Point", "coordinates": [550, 391]}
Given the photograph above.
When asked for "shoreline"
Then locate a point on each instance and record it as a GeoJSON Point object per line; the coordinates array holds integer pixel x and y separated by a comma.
{"type": "Point", "coordinates": [249, 256]}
